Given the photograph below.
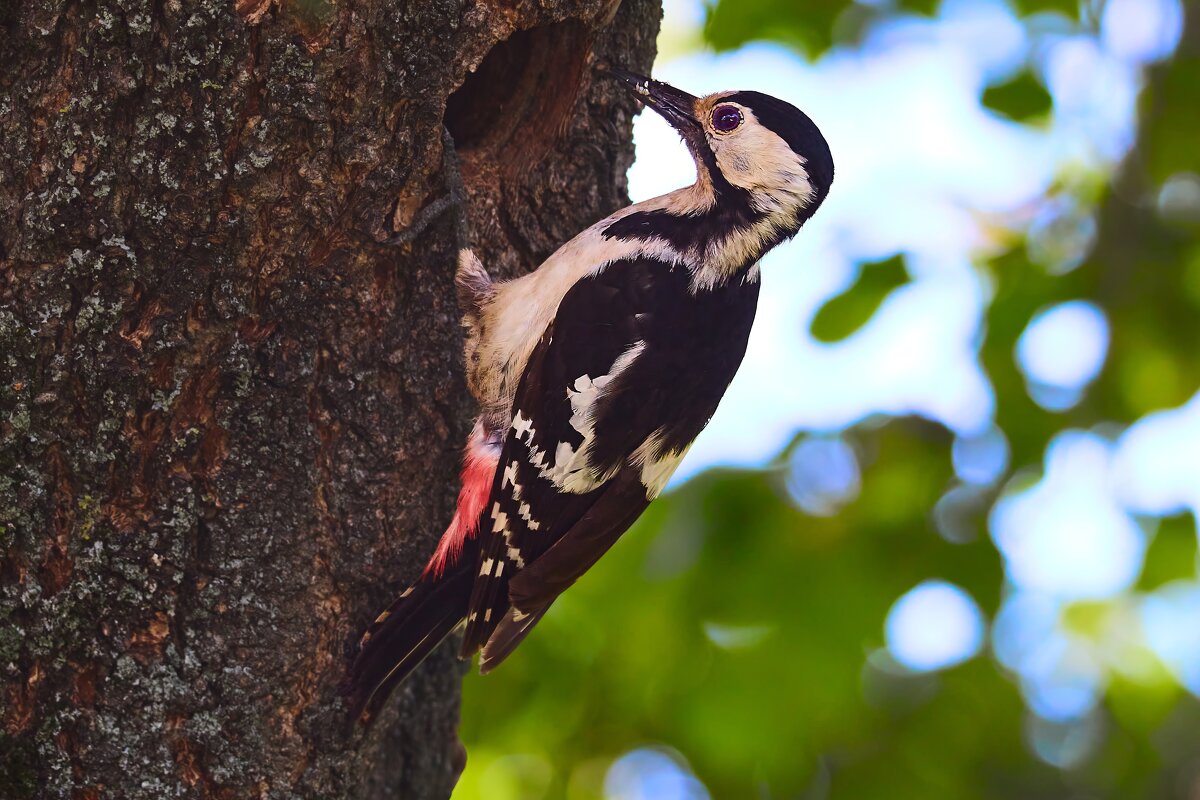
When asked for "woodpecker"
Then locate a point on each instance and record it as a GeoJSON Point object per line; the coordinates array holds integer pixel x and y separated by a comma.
{"type": "Point", "coordinates": [594, 374]}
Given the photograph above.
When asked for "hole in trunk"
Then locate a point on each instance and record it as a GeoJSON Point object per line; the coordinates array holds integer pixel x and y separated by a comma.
{"type": "Point", "coordinates": [521, 96]}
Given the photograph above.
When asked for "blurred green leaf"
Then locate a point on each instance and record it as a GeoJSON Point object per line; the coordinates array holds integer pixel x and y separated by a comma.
{"type": "Point", "coordinates": [1143, 705]}
{"type": "Point", "coordinates": [1068, 8]}
{"type": "Point", "coordinates": [1023, 98]}
{"type": "Point", "coordinates": [813, 26]}
{"type": "Point", "coordinates": [807, 27]}
{"type": "Point", "coordinates": [923, 7]}
{"type": "Point", "coordinates": [843, 315]}
{"type": "Point", "coordinates": [1172, 106]}
{"type": "Point", "coordinates": [1172, 553]}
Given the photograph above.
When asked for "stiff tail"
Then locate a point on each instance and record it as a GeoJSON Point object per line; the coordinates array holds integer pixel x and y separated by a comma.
{"type": "Point", "coordinates": [511, 631]}
{"type": "Point", "coordinates": [401, 637]}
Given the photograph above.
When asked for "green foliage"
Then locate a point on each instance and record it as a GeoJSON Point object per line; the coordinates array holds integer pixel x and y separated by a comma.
{"type": "Point", "coordinates": [686, 634]}
{"type": "Point", "coordinates": [1172, 554]}
{"type": "Point", "coordinates": [1022, 98]}
{"type": "Point", "coordinates": [813, 26]}
{"type": "Point", "coordinates": [850, 310]}
{"type": "Point", "coordinates": [1171, 114]}
{"type": "Point", "coordinates": [808, 27]}
{"type": "Point", "coordinates": [1067, 8]}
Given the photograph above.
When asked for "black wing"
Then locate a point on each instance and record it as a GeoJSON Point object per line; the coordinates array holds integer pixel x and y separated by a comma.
{"type": "Point", "coordinates": [631, 357]}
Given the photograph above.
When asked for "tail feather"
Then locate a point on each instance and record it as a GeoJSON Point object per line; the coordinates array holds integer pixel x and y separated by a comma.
{"type": "Point", "coordinates": [402, 637]}
{"type": "Point", "coordinates": [511, 631]}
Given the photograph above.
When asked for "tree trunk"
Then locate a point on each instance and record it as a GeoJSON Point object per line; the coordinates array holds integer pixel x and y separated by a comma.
{"type": "Point", "coordinates": [231, 412]}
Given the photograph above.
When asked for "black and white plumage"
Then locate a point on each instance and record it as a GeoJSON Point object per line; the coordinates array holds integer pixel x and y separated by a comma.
{"type": "Point", "coordinates": [594, 375]}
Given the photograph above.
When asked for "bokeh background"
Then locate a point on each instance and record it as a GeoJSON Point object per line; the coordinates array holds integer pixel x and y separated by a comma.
{"type": "Point", "coordinates": [940, 539]}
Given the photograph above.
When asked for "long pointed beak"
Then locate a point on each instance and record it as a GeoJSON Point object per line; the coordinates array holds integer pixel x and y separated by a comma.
{"type": "Point", "coordinates": [677, 107]}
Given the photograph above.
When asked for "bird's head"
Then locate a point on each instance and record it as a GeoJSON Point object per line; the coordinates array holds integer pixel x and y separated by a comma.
{"type": "Point", "coordinates": [747, 144]}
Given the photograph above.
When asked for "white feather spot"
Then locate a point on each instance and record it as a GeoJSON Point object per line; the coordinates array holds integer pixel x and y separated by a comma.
{"type": "Point", "coordinates": [510, 479]}
{"type": "Point", "coordinates": [522, 426]}
{"type": "Point", "coordinates": [537, 457]}
{"type": "Point", "coordinates": [656, 472]}
{"type": "Point", "coordinates": [527, 514]}
{"type": "Point", "coordinates": [501, 520]}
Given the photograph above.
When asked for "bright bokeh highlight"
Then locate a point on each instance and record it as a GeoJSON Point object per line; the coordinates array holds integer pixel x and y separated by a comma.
{"type": "Point", "coordinates": [933, 626]}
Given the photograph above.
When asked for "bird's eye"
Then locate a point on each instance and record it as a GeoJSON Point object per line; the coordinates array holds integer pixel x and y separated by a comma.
{"type": "Point", "coordinates": [726, 118]}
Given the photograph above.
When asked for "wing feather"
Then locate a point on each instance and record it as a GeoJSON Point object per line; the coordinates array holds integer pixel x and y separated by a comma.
{"type": "Point", "coordinates": [627, 374]}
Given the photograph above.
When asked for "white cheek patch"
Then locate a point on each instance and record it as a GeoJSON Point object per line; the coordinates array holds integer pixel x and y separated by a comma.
{"type": "Point", "coordinates": [738, 164]}
{"type": "Point", "coordinates": [758, 160]}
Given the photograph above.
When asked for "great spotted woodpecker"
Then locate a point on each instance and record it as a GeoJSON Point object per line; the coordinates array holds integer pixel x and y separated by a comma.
{"type": "Point", "coordinates": [595, 373]}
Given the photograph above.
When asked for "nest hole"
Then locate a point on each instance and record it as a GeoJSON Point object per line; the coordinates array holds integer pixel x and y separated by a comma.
{"type": "Point", "coordinates": [520, 98]}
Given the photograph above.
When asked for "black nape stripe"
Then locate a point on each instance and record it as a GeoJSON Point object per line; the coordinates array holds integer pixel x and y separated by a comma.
{"type": "Point", "coordinates": [689, 232]}
{"type": "Point", "coordinates": [731, 211]}
{"type": "Point", "coordinates": [696, 232]}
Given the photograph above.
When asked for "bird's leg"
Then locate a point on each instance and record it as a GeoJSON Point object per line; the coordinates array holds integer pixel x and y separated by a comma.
{"type": "Point", "coordinates": [455, 198]}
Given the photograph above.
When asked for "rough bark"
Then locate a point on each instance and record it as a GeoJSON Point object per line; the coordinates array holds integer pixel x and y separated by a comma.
{"type": "Point", "coordinates": [230, 413]}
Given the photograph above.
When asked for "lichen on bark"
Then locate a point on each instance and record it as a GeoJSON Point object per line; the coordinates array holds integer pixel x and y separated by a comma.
{"type": "Point", "coordinates": [230, 411]}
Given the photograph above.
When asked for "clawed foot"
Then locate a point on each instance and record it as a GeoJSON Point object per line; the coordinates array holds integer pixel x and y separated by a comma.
{"type": "Point", "coordinates": [455, 198]}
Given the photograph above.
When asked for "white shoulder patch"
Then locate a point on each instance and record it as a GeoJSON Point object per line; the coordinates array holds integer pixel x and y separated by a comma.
{"type": "Point", "coordinates": [571, 472]}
